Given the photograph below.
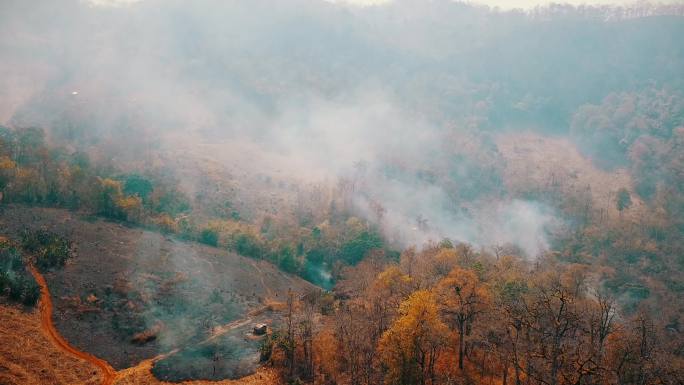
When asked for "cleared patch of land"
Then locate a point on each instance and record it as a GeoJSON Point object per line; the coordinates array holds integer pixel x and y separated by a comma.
{"type": "Point", "coordinates": [129, 294]}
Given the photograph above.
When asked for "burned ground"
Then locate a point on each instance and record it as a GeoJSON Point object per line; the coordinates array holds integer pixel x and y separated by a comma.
{"type": "Point", "coordinates": [130, 294]}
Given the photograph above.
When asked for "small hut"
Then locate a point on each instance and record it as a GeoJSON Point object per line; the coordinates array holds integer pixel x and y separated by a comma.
{"type": "Point", "coordinates": [260, 329]}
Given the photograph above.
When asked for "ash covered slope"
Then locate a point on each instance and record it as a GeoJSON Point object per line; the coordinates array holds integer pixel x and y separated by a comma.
{"type": "Point", "coordinates": [125, 283]}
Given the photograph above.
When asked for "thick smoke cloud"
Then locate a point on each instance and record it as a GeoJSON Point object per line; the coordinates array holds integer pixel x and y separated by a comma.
{"type": "Point", "coordinates": [315, 91]}
{"type": "Point", "coordinates": [361, 138]}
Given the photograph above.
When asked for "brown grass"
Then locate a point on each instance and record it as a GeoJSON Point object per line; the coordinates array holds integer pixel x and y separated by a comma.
{"type": "Point", "coordinates": [28, 357]}
{"type": "Point", "coordinates": [537, 160]}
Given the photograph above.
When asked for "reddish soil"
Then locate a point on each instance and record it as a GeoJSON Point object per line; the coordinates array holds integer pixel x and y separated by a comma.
{"type": "Point", "coordinates": [45, 305]}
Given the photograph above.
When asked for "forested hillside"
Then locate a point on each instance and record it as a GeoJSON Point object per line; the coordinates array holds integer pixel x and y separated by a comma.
{"type": "Point", "coordinates": [480, 196]}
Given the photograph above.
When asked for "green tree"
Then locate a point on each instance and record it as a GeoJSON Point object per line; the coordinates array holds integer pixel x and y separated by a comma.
{"type": "Point", "coordinates": [248, 245]}
{"type": "Point", "coordinates": [624, 199]}
{"type": "Point", "coordinates": [356, 249]}
{"type": "Point", "coordinates": [135, 184]}
{"type": "Point", "coordinates": [209, 237]}
{"type": "Point", "coordinates": [287, 260]}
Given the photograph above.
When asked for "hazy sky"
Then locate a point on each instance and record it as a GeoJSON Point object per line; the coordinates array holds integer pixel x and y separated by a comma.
{"type": "Point", "coordinates": [506, 4]}
{"type": "Point", "coordinates": [528, 3]}
{"type": "Point", "coordinates": [532, 3]}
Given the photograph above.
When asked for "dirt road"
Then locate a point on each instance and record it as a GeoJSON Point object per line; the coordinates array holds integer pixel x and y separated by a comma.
{"type": "Point", "coordinates": [108, 372]}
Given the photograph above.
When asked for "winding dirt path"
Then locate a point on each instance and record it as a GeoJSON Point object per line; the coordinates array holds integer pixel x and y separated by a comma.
{"type": "Point", "coordinates": [45, 306]}
{"type": "Point", "coordinates": [109, 374]}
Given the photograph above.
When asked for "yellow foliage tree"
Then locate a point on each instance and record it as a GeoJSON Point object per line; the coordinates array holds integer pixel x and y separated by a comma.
{"type": "Point", "coordinates": [387, 292]}
{"type": "Point", "coordinates": [166, 223]}
{"type": "Point", "coordinates": [392, 282]}
{"type": "Point", "coordinates": [444, 262]}
{"type": "Point", "coordinates": [131, 206]}
{"type": "Point", "coordinates": [411, 347]}
{"type": "Point", "coordinates": [6, 163]}
{"type": "Point", "coordinates": [6, 168]}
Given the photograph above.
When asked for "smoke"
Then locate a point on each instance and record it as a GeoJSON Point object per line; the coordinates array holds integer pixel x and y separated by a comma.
{"type": "Point", "coordinates": [396, 107]}
{"type": "Point", "coordinates": [401, 100]}
{"type": "Point", "coordinates": [416, 213]}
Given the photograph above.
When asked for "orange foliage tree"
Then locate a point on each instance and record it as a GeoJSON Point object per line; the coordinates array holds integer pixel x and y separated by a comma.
{"type": "Point", "coordinates": [411, 347]}
{"type": "Point", "coordinates": [462, 296]}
